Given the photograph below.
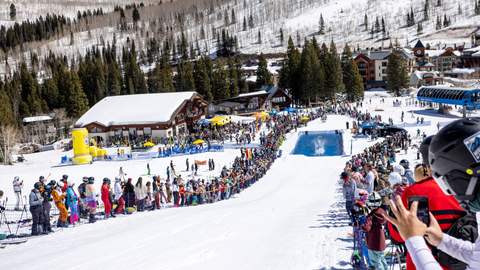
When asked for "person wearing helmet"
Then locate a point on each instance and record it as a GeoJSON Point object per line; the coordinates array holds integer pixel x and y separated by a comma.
{"type": "Point", "coordinates": [36, 208]}
{"type": "Point", "coordinates": [453, 156]}
{"type": "Point", "coordinates": [65, 183]}
{"type": "Point", "coordinates": [383, 187]}
{"type": "Point", "coordinates": [105, 194]}
{"type": "Point", "coordinates": [17, 188]}
{"type": "Point", "coordinates": [58, 198]}
{"type": "Point", "coordinates": [47, 198]}
{"type": "Point", "coordinates": [444, 207]}
{"type": "Point", "coordinates": [350, 191]}
{"type": "Point", "coordinates": [72, 199]}
{"type": "Point", "coordinates": [91, 199]}
{"type": "Point", "coordinates": [83, 197]}
{"type": "Point", "coordinates": [408, 173]}
{"type": "Point", "coordinates": [374, 236]}
{"type": "Point", "coordinates": [118, 195]}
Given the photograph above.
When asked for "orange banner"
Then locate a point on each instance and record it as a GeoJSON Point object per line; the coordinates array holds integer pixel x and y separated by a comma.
{"type": "Point", "coordinates": [199, 162]}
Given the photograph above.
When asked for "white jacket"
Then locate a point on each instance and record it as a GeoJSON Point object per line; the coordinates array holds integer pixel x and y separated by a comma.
{"type": "Point", "coordinates": [17, 186]}
{"type": "Point", "coordinates": [175, 188]}
{"type": "Point", "coordinates": [140, 192]}
{"type": "Point", "coordinates": [463, 250]}
{"type": "Point", "coordinates": [117, 190]}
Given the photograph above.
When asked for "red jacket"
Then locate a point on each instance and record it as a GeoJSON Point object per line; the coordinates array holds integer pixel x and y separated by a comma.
{"type": "Point", "coordinates": [445, 208]}
{"type": "Point", "coordinates": [105, 192]}
{"type": "Point", "coordinates": [65, 186]}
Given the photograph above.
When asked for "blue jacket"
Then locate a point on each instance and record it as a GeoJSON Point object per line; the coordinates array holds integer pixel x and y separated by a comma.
{"type": "Point", "coordinates": [409, 176]}
{"type": "Point", "coordinates": [71, 197]}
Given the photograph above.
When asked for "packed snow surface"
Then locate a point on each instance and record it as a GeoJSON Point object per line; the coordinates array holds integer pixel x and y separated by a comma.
{"type": "Point", "coordinates": [290, 219]}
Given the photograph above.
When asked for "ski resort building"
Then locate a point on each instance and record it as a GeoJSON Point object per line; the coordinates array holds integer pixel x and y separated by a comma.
{"type": "Point", "coordinates": [143, 116]}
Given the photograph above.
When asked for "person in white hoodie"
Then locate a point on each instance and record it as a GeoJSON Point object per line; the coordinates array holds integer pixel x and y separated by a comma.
{"type": "Point", "coordinates": [118, 193]}
{"type": "Point", "coordinates": [141, 194]}
{"type": "Point", "coordinates": [17, 188]}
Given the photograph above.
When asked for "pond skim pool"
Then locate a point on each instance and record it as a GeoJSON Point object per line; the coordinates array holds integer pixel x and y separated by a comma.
{"type": "Point", "coordinates": [319, 143]}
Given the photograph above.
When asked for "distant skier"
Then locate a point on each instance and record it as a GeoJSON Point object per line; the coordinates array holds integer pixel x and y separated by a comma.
{"type": "Point", "coordinates": [148, 168]}
{"type": "Point", "coordinates": [17, 188]}
{"type": "Point", "coordinates": [187, 165]}
{"type": "Point", "coordinates": [347, 124]}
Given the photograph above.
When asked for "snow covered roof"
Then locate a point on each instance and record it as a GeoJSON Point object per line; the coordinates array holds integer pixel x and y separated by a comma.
{"type": "Point", "coordinates": [460, 71]}
{"type": "Point", "coordinates": [434, 53]}
{"type": "Point", "coordinates": [253, 93]}
{"type": "Point", "coordinates": [270, 90]}
{"type": "Point", "coordinates": [36, 119]}
{"type": "Point", "coordinates": [135, 109]}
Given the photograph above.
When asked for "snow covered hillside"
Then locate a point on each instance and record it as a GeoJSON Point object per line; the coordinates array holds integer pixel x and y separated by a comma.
{"type": "Point", "coordinates": [257, 23]}
{"type": "Point", "coordinates": [290, 219]}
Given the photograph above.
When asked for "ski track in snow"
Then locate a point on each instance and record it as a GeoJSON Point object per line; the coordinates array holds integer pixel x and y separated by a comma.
{"type": "Point", "coordinates": [289, 219]}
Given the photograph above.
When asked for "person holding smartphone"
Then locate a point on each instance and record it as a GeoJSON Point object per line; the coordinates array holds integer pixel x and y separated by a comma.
{"type": "Point", "coordinates": [445, 208]}
{"type": "Point", "coordinates": [452, 155]}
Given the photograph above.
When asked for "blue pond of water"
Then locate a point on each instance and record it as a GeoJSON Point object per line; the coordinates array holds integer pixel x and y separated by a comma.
{"type": "Point", "coordinates": [319, 143]}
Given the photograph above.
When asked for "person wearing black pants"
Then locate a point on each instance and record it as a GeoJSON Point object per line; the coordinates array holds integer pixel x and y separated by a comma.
{"type": "Point", "coordinates": [36, 208]}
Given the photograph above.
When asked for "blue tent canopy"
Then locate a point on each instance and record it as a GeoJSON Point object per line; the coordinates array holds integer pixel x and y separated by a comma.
{"type": "Point", "coordinates": [203, 122]}
{"type": "Point", "coordinates": [272, 112]}
{"type": "Point", "coordinates": [290, 109]}
{"type": "Point", "coordinates": [368, 124]}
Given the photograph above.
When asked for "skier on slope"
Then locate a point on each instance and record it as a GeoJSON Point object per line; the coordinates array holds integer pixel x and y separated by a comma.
{"type": "Point", "coordinates": [91, 199]}
{"type": "Point", "coordinates": [72, 202]}
{"type": "Point", "coordinates": [118, 192]}
{"type": "Point", "coordinates": [36, 208]}
{"type": "Point", "coordinates": [17, 188]}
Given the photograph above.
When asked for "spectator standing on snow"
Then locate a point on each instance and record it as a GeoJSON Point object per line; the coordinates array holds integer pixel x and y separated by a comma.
{"type": "Point", "coordinates": [374, 236]}
{"type": "Point", "coordinates": [121, 173]}
{"type": "Point", "coordinates": [118, 192]}
{"type": "Point", "coordinates": [141, 194]}
{"type": "Point", "coordinates": [58, 198]}
{"type": "Point", "coordinates": [369, 178]}
{"type": "Point", "coordinates": [36, 209]}
{"type": "Point", "coordinates": [350, 191]}
{"type": "Point", "coordinates": [408, 173]}
{"type": "Point", "coordinates": [129, 194]}
{"type": "Point", "coordinates": [175, 193]}
{"type": "Point", "coordinates": [105, 190]}
{"type": "Point", "coordinates": [17, 188]}
{"type": "Point", "coordinates": [169, 190]}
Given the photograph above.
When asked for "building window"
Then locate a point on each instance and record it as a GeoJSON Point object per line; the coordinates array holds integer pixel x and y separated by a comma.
{"type": "Point", "coordinates": [118, 132]}
{"type": "Point", "coordinates": [364, 79]}
{"type": "Point", "coordinates": [370, 64]}
{"type": "Point", "coordinates": [371, 79]}
{"type": "Point", "coordinates": [384, 64]}
{"type": "Point", "coordinates": [384, 71]}
{"type": "Point", "coordinates": [362, 72]}
{"type": "Point", "coordinates": [180, 117]}
{"type": "Point", "coordinates": [147, 131]}
{"type": "Point", "coordinates": [361, 65]}
{"type": "Point", "coordinates": [96, 130]}
{"type": "Point", "coordinates": [371, 71]}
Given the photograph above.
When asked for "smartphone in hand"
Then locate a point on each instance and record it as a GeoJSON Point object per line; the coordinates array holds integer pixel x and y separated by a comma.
{"type": "Point", "coordinates": [422, 210]}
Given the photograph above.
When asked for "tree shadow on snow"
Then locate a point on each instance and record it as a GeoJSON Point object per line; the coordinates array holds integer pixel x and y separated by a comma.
{"type": "Point", "coordinates": [332, 220]}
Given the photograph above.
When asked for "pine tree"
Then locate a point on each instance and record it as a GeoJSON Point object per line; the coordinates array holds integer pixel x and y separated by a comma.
{"type": "Point", "coordinates": [78, 102]}
{"type": "Point", "coordinates": [234, 19]}
{"type": "Point", "coordinates": [259, 38]}
{"type": "Point", "coordinates": [445, 21]}
{"type": "Point", "coordinates": [425, 12]}
{"type": "Point", "coordinates": [281, 37]}
{"type": "Point", "coordinates": [114, 79]}
{"type": "Point", "coordinates": [333, 72]}
{"type": "Point", "coordinates": [226, 20]}
{"type": "Point", "coordinates": [419, 29]}
{"type": "Point", "coordinates": [412, 17]}
{"type": "Point", "coordinates": [438, 26]}
{"type": "Point", "coordinates": [244, 24]}
{"type": "Point", "coordinates": [233, 77]}
{"type": "Point", "coordinates": [290, 70]}
{"type": "Point", "coordinates": [6, 110]}
{"type": "Point", "coordinates": [222, 84]}
{"type": "Point", "coordinates": [72, 40]}
{"type": "Point", "coordinates": [184, 79]}
{"type": "Point", "coordinates": [459, 9]}
{"type": "Point", "coordinates": [322, 25]}
{"type": "Point", "coordinates": [135, 15]}
{"type": "Point", "coordinates": [241, 78]}
{"type": "Point", "coordinates": [202, 80]}
{"type": "Point", "coordinates": [13, 12]}
{"type": "Point", "coordinates": [384, 32]}
{"type": "Point", "coordinates": [250, 22]}
{"type": "Point", "coordinates": [397, 70]}
{"type": "Point", "coordinates": [439, 3]}
{"type": "Point", "coordinates": [264, 77]}
{"type": "Point", "coordinates": [377, 26]}
{"type": "Point", "coordinates": [351, 77]}
{"type": "Point", "coordinates": [365, 22]}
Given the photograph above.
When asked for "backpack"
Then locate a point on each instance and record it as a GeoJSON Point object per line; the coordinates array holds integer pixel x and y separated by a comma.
{"type": "Point", "coordinates": [464, 228]}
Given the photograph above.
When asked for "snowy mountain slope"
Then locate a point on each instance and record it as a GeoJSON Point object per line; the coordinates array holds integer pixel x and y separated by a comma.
{"type": "Point", "coordinates": [344, 23]}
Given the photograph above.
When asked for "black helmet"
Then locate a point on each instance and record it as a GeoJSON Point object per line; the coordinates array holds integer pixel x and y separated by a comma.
{"type": "Point", "coordinates": [454, 154]}
{"type": "Point", "coordinates": [52, 183]}
{"type": "Point", "coordinates": [85, 179]}
{"type": "Point", "coordinates": [344, 175]}
{"type": "Point", "coordinates": [41, 177]}
{"type": "Point", "coordinates": [424, 149]}
{"type": "Point", "coordinates": [37, 185]}
{"type": "Point", "coordinates": [404, 163]}
{"type": "Point", "coordinates": [155, 178]}
{"type": "Point", "coordinates": [106, 180]}
{"type": "Point", "coordinates": [64, 176]}
{"type": "Point", "coordinates": [91, 179]}
{"type": "Point", "coordinates": [382, 169]}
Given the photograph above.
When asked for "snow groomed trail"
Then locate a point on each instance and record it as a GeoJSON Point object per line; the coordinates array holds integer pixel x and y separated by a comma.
{"type": "Point", "coordinates": [290, 219]}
